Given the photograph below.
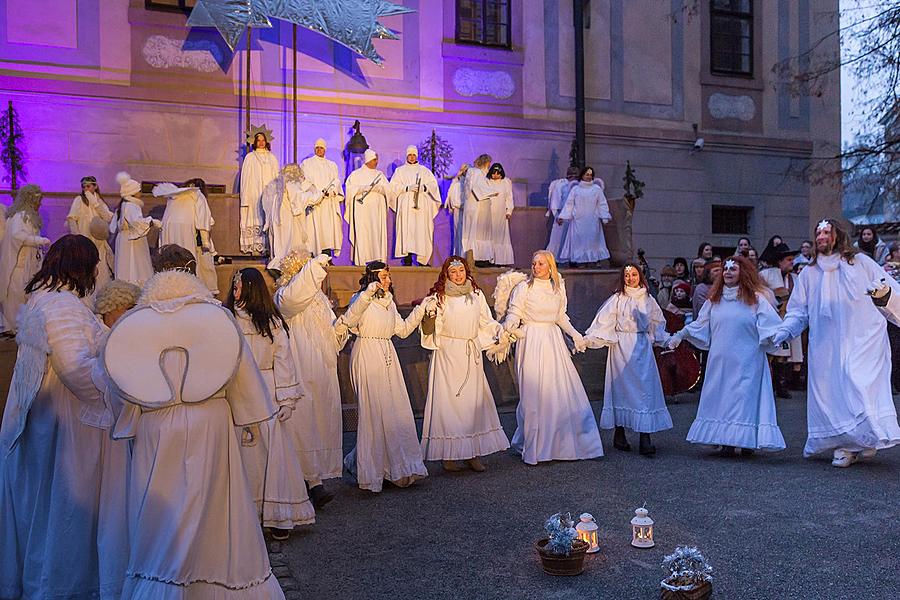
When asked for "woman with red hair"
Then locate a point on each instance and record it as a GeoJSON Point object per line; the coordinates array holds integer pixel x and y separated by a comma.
{"type": "Point", "coordinates": [461, 422]}
{"type": "Point", "coordinates": [736, 325]}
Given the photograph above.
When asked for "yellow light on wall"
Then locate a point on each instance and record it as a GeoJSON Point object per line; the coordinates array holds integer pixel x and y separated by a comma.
{"type": "Point", "coordinates": [588, 532]}
{"type": "Point", "coordinates": [642, 529]}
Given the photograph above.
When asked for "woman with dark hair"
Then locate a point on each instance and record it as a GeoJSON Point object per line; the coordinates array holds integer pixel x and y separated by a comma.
{"type": "Point", "coordinates": [869, 242]}
{"type": "Point", "coordinates": [387, 445]}
{"type": "Point", "coordinates": [501, 211]}
{"type": "Point", "coordinates": [260, 166]}
{"type": "Point", "coordinates": [62, 477]}
{"type": "Point", "coordinates": [743, 246]}
{"type": "Point", "coordinates": [705, 251]}
{"type": "Point", "coordinates": [681, 269]}
{"type": "Point", "coordinates": [736, 325]}
{"type": "Point", "coordinates": [586, 207]}
{"type": "Point", "coordinates": [90, 216]}
{"type": "Point", "coordinates": [630, 323]}
{"type": "Point", "coordinates": [461, 421]}
{"type": "Point", "coordinates": [769, 256]}
{"type": "Point", "coordinates": [20, 251]}
{"type": "Point", "coordinates": [270, 458]}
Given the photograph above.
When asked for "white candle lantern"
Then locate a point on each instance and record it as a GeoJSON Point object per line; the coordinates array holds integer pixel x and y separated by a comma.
{"type": "Point", "coordinates": [587, 532]}
{"type": "Point", "coordinates": [642, 529]}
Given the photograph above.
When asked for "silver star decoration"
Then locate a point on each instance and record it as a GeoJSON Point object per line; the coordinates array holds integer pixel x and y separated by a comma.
{"type": "Point", "coordinates": [823, 224]}
{"type": "Point", "coordinates": [353, 23]}
{"type": "Point", "coordinates": [730, 264]}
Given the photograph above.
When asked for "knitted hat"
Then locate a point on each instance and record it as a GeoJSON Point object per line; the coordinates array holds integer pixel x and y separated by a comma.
{"type": "Point", "coordinates": [412, 150]}
{"type": "Point", "coordinates": [320, 143]}
{"type": "Point", "coordinates": [369, 156]}
{"type": "Point", "coordinates": [127, 185]}
{"type": "Point", "coordinates": [684, 286]}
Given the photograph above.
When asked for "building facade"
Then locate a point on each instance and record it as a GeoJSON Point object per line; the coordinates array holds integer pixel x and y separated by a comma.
{"type": "Point", "coordinates": [102, 86]}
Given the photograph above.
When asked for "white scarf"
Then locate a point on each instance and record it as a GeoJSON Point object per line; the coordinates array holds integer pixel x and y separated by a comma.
{"type": "Point", "coordinates": [730, 293]}
{"type": "Point", "coordinates": [835, 271]}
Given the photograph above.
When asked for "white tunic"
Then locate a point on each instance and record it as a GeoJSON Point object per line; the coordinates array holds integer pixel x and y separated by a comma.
{"type": "Point", "coordinates": [461, 419]}
{"type": "Point", "coordinates": [325, 228]}
{"type": "Point", "coordinates": [477, 223]}
{"type": "Point", "coordinates": [368, 196]}
{"type": "Point", "coordinates": [557, 194]}
{"type": "Point", "coordinates": [186, 215]}
{"type": "Point", "coordinates": [585, 206]}
{"type": "Point", "coordinates": [414, 229]}
{"type": "Point", "coordinates": [454, 204]}
{"type": "Point", "coordinates": [774, 279]}
{"type": "Point", "coordinates": [849, 401]}
{"type": "Point", "coordinates": [20, 259]}
{"type": "Point", "coordinates": [63, 529]}
{"type": "Point", "coordinates": [79, 221]}
{"type": "Point", "coordinates": [285, 204]}
{"type": "Point", "coordinates": [737, 407]}
{"type": "Point", "coordinates": [132, 250]}
{"type": "Point", "coordinates": [387, 445]}
{"type": "Point", "coordinates": [630, 324]}
{"type": "Point", "coordinates": [554, 417]}
{"type": "Point", "coordinates": [258, 169]}
{"type": "Point", "coordinates": [273, 468]}
{"type": "Point", "coordinates": [317, 429]}
{"type": "Point", "coordinates": [501, 210]}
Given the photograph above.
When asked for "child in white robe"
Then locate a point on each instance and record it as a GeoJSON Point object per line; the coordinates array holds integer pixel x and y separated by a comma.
{"type": "Point", "coordinates": [132, 250]}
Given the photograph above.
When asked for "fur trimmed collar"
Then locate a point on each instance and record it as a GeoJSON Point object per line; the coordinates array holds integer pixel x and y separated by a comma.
{"type": "Point", "coordinates": [170, 290]}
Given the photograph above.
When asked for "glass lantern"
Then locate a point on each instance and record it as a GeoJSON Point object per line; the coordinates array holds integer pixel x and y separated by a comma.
{"type": "Point", "coordinates": [642, 529]}
{"type": "Point", "coordinates": [587, 532]}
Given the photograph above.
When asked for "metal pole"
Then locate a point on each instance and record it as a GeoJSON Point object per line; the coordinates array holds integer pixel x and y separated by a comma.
{"type": "Point", "coordinates": [247, 86]}
{"type": "Point", "coordinates": [295, 90]}
{"type": "Point", "coordinates": [578, 9]}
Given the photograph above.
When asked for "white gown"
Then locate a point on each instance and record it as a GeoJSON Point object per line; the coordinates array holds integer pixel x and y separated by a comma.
{"type": "Point", "coordinates": [258, 169]}
{"type": "Point", "coordinates": [737, 407]}
{"type": "Point", "coordinates": [79, 221]}
{"type": "Point", "coordinates": [324, 225]}
{"type": "Point", "coordinates": [63, 526]}
{"type": "Point", "coordinates": [414, 229]}
{"type": "Point", "coordinates": [630, 324]}
{"type": "Point", "coordinates": [20, 259]}
{"type": "Point", "coordinates": [273, 468]}
{"type": "Point", "coordinates": [317, 428]}
{"type": "Point", "coordinates": [461, 419]}
{"type": "Point", "coordinates": [285, 204]}
{"type": "Point", "coordinates": [585, 206]}
{"type": "Point", "coordinates": [132, 250]}
{"type": "Point", "coordinates": [366, 213]}
{"type": "Point", "coordinates": [477, 223]}
{"type": "Point", "coordinates": [554, 417]}
{"type": "Point", "coordinates": [849, 400]}
{"type": "Point", "coordinates": [387, 445]}
{"type": "Point", "coordinates": [501, 210]}
{"type": "Point", "coordinates": [185, 216]}
{"type": "Point", "coordinates": [557, 192]}
{"type": "Point", "coordinates": [454, 204]}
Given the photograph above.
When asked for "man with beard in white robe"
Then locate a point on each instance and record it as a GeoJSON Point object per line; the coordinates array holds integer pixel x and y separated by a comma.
{"type": "Point", "coordinates": [368, 193]}
{"type": "Point", "coordinates": [418, 200]}
{"type": "Point", "coordinates": [850, 409]}
{"type": "Point", "coordinates": [477, 231]}
{"type": "Point", "coordinates": [325, 230]}
{"type": "Point", "coordinates": [258, 169]}
{"type": "Point", "coordinates": [285, 201]}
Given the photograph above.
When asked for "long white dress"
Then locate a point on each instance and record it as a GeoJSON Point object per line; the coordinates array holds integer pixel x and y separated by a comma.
{"type": "Point", "coordinates": [193, 525]}
{"type": "Point", "coordinates": [324, 226]}
{"type": "Point", "coordinates": [585, 206]}
{"type": "Point", "coordinates": [630, 324]}
{"type": "Point", "coordinates": [285, 204]}
{"type": "Point", "coordinates": [132, 250]}
{"type": "Point", "coordinates": [63, 480]}
{"type": "Point", "coordinates": [368, 196]}
{"type": "Point", "coordinates": [79, 222]}
{"type": "Point", "coordinates": [317, 426]}
{"type": "Point", "coordinates": [477, 223]}
{"type": "Point", "coordinates": [187, 215]}
{"type": "Point", "coordinates": [461, 419]}
{"type": "Point", "coordinates": [501, 210]}
{"type": "Point", "coordinates": [20, 259]}
{"type": "Point", "coordinates": [454, 204]}
{"type": "Point", "coordinates": [414, 229]}
{"type": "Point", "coordinates": [849, 401]}
{"type": "Point", "coordinates": [554, 417]}
{"type": "Point", "coordinates": [387, 445]}
{"type": "Point", "coordinates": [258, 169]}
{"type": "Point", "coordinates": [737, 407]}
{"type": "Point", "coordinates": [557, 194]}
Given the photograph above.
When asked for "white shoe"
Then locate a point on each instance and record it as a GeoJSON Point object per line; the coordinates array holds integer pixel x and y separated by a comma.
{"type": "Point", "coordinates": [843, 458]}
{"type": "Point", "coordinates": [866, 454]}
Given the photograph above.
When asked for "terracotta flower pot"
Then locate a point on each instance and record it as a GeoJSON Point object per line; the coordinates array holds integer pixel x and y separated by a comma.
{"type": "Point", "coordinates": [700, 592]}
{"type": "Point", "coordinates": [553, 564]}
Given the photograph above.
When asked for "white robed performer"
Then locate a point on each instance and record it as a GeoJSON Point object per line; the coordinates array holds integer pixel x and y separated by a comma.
{"type": "Point", "coordinates": [736, 325]}
{"type": "Point", "coordinates": [630, 323]}
{"type": "Point", "coordinates": [477, 196]}
{"type": "Point", "coordinates": [585, 209]}
{"type": "Point", "coordinates": [387, 446]}
{"type": "Point", "coordinates": [850, 409]}
{"type": "Point", "coordinates": [324, 225]}
{"type": "Point", "coordinates": [368, 195]}
{"type": "Point", "coordinates": [285, 201]}
{"type": "Point", "coordinates": [557, 194]}
{"type": "Point", "coordinates": [461, 421]}
{"type": "Point", "coordinates": [454, 204]}
{"type": "Point", "coordinates": [20, 251]}
{"type": "Point", "coordinates": [417, 200]}
{"type": "Point", "coordinates": [90, 216]}
{"type": "Point", "coordinates": [554, 420]}
{"type": "Point", "coordinates": [501, 211]}
{"type": "Point", "coordinates": [132, 250]}
{"type": "Point", "coordinates": [270, 458]}
{"type": "Point", "coordinates": [259, 168]}
{"type": "Point", "coordinates": [186, 222]}
{"type": "Point", "coordinates": [317, 430]}
{"type": "Point", "coordinates": [63, 530]}
{"type": "Point", "coordinates": [193, 525]}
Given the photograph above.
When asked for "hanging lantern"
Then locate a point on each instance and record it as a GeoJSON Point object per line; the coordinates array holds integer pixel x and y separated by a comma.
{"type": "Point", "coordinates": [642, 529]}
{"type": "Point", "coordinates": [587, 532]}
{"type": "Point", "coordinates": [356, 149]}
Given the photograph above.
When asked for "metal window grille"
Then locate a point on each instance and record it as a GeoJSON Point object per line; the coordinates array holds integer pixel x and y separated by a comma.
{"type": "Point", "coordinates": [731, 219]}
{"type": "Point", "coordinates": [483, 22]}
{"type": "Point", "coordinates": [731, 37]}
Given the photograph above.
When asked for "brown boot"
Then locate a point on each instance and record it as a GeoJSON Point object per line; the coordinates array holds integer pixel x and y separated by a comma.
{"type": "Point", "coordinates": [451, 465]}
{"type": "Point", "coordinates": [476, 465]}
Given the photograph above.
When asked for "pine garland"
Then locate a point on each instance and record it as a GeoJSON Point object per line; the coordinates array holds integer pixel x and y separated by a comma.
{"type": "Point", "coordinates": [442, 151]}
{"type": "Point", "coordinates": [12, 156]}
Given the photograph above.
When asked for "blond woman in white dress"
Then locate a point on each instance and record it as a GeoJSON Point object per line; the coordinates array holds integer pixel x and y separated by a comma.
{"type": "Point", "coordinates": [20, 251]}
{"type": "Point", "coordinates": [90, 216]}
